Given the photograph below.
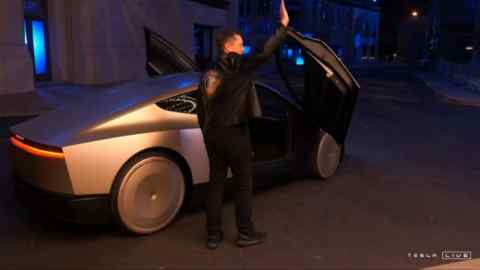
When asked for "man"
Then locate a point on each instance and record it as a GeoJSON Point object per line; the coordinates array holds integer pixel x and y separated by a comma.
{"type": "Point", "coordinates": [227, 91]}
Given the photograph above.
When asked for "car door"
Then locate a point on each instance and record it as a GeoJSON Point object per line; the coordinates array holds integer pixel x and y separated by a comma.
{"type": "Point", "coordinates": [165, 58]}
{"type": "Point", "coordinates": [320, 83]}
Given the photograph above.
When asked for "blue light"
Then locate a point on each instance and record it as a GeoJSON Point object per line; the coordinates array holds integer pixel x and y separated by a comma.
{"type": "Point", "coordinates": [289, 53]}
{"type": "Point", "coordinates": [308, 34]}
{"type": "Point", "coordinates": [358, 40]}
{"type": "Point", "coordinates": [39, 47]}
{"type": "Point", "coordinates": [25, 32]}
{"type": "Point", "coordinates": [247, 49]}
{"type": "Point", "coordinates": [300, 61]}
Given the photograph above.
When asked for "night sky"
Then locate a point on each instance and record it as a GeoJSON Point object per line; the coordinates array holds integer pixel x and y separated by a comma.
{"type": "Point", "coordinates": [393, 13]}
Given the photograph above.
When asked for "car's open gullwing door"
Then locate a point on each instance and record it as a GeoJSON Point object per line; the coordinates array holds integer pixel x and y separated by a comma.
{"type": "Point", "coordinates": [320, 83]}
{"type": "Point", "coordinates": [165, 58]}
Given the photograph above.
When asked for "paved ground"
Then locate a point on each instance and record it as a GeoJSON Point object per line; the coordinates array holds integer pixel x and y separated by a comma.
{"type": "Point", "coordinates": [451, 92]}
{"type": "Point", "coordinates": [408, 187]}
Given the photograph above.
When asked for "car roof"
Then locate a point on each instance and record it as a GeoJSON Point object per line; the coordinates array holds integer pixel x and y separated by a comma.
{"type": "Point", "coordinates": [149, 90]}
{"type": "Point", "coordinates": [63, 125]}
{"type": "Point", "coordinates": [60, 126]}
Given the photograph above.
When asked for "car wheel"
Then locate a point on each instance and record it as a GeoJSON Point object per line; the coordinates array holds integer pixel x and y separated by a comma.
{"type": "Point", "coordinates": [326, 156]}
{"type": "Point", "coordinates": [148, 193]}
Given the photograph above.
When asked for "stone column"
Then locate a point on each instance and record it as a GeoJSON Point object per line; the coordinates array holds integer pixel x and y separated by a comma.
{"type": "Point", "coordinates": [108, 43]}
{"type": "Point", "coordinates": [16, 68]}
{"type": "Point", "coordinates": [102, 42]}
{"type": "Point", "coordinates": [104, 48]}
{"type": "Point", "coordinates": [60, 39]}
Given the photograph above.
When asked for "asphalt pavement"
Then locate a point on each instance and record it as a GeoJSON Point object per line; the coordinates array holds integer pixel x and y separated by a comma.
{"type": "Point", "coordinates": [406, 192]}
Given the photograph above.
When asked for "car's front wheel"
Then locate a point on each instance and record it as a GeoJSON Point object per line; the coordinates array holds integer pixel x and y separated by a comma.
{"type": "Point", "coordinates": [326, 156]}
{"type": "Point", "coordinates": [148, 193]}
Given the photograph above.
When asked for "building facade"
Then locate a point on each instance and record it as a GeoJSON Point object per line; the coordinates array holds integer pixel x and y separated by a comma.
{"type": "Point", "coordinates": [453, 36]}
{"type": "Point", "coordinates": [99, 42]}
{"type": "Point", "coordinates": [453, 27]}
{"type": "Point", "coordinates": [350, 27]}
{"type": "Point", "coordinates": [412, 40]}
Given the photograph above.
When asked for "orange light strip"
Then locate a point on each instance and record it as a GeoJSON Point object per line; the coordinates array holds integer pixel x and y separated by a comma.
{"type": "Point", "coordinates": [35, 151]}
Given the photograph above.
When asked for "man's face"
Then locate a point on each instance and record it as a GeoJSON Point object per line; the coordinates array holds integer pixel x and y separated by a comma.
{"type": "Point", "coordinates": [234, 44]}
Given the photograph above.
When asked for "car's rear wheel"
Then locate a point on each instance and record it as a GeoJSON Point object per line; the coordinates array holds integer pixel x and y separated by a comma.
{"type": "Point", "coordinates": [148, 193]}
{"type": "Point", "coordinates": [326, 156]}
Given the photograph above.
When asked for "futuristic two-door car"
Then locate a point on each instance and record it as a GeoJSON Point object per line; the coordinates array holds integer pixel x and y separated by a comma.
{"type": "Point", "coordinates": [134, 152]}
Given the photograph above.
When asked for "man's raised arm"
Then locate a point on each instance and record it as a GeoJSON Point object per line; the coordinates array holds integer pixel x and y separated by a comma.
{"type": "Point", "coordinates": [249, 63]}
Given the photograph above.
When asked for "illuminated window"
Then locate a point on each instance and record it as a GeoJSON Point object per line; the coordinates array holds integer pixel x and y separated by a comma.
{"type": "Point", "coordinates": [289, 53]}
{"type": "Point", "coordinates": [299, 61]}
{"type": "Point", "coordinates": [25, 32]}
{"type": "Point", "coordinates": [39, 47]}
{"type": "Point", "coordinates": [36, 36]}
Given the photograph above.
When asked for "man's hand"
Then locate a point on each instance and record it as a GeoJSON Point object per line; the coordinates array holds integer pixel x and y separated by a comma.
{"type": "Point", "coordinates": [284, 18]}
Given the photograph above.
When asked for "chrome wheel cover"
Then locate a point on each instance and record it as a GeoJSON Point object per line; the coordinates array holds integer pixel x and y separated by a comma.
{"type": "Point", "coordinates": [327, 156]}
{"type": "Point", "coordinates": [151, 194]}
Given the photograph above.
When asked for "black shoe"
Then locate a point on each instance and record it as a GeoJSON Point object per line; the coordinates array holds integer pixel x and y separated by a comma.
{"type": "Point", "coordinates": [245, 240]}
{"type": "Point", "coordinates": [214, 240]}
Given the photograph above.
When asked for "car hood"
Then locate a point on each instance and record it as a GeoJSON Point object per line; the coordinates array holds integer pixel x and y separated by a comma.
{"type": "Point", "coordinates": [65, 125]}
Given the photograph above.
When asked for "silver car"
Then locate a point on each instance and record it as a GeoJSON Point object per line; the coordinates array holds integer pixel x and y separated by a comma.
{"type": "Point", "coordinates": [135, 152]}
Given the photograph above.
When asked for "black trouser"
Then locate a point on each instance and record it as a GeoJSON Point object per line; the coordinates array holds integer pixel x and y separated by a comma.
{"type": "Point", "coordinates": [229, 146]}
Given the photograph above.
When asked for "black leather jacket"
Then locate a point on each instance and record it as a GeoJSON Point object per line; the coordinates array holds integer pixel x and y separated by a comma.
{"type": "Point", "coordinates": [227, 92]}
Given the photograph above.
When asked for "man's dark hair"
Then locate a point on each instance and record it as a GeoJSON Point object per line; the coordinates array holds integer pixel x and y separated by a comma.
{"type": "Point", "coordinates": [223, 35]}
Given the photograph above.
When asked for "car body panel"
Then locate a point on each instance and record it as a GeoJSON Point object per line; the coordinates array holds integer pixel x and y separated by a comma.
{"type": "Point", "coordinates": [46, 173]}
{"type": "Point", "coordinates": [65, 207]}
{"type": "Point", "coordinates": [79, 122]}
{"type": "Point", "coordinates": [93, 166]}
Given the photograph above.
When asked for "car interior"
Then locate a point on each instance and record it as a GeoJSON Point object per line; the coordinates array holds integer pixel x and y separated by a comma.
{"type": "Point", "coordinates": [270, 132]}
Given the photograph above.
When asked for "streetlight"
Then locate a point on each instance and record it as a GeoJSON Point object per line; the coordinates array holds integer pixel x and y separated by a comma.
{"type": "Point", "coordinates": [414, 13]}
